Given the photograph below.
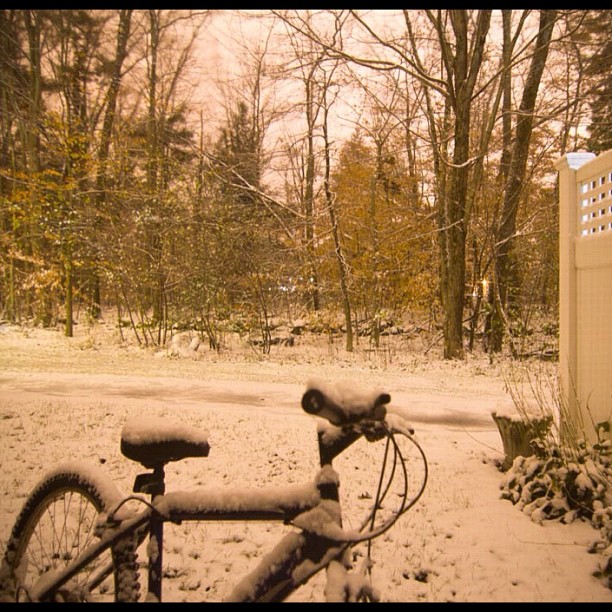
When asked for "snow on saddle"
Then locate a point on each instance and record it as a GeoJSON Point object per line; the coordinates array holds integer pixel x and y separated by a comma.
{"type": "Point", "coordinates": [155, 441]}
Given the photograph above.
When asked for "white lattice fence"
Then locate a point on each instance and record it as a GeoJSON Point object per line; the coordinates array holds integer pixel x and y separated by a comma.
{"type": "Point", "coordinates": [585, 288]}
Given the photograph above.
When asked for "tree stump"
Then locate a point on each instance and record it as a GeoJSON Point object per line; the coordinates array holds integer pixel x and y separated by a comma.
{"type": "Point", "coordinates": [517, 434]}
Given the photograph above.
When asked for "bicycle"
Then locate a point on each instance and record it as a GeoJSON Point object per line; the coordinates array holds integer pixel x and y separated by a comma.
{"type": "Point", "coordinates": [75, 538]}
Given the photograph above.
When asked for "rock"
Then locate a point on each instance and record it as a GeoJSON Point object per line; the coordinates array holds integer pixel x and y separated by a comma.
{"type": "Point", "coordinates": [184, 344]}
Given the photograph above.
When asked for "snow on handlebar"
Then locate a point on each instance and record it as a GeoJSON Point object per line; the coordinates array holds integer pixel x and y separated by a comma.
{"type": "Point", "coordinates": [343, 403]}
{"type": "Point", "coordinates": [350, 412]}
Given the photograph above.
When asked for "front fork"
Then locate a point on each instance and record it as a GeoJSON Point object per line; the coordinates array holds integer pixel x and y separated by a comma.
{"type": "Point", "coordinates": [342, 585]}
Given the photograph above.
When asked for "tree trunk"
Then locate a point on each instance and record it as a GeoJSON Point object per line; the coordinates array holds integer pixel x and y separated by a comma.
{"type": "Point", "coordinates": [517, 435]}
{"type": "Point", "coordinates": [505, 266]}
{"type": "Point", "coordinates": [340, 259]}
{"type": "Point", "coordinates": [453, 218]}
{"type": "Point", "coordinates": [68, 330]}
{"type": "Point", "coordinates": [313, 289]}
{"type": "Point", "coordinates": [494, 328]}
{"type": "Point", "coordinates": [373, 226]}
{"type": "Point", "coordinates": [123, 33]}
{"type": "Point", "coordinates": [410, 153]}
{"type": "Point", "coordinates": [31, 138]}
{"type": "Point", "coordinates": [9, 97]}
{"type": "Point", "coordinates": [155, 243]}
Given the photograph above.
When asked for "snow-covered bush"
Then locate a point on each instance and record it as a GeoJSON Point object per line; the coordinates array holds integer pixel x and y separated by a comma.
{"type": "Point", "coordinates": [566, 478]}
{"type": "Point", "coordinates": [555, 488]}
{"type": "Point", "coordinates": [602, 519]}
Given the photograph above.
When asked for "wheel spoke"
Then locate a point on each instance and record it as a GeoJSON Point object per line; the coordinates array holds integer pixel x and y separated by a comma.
{"type": "Point", "coordinates": [64, 529]}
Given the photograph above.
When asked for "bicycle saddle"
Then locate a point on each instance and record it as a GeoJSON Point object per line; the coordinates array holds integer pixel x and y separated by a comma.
{"type": "Point", "coordinates": [156, 441]}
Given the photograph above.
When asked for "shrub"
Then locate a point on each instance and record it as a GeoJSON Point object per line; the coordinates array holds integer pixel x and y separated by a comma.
{"type": "Point", "coordinates": [563, 480]}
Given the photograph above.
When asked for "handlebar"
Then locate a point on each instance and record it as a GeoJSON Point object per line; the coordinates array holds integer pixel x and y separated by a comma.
{"type": "Point", "coordinates": [353, 413]}
{"type": "Point", "coordinates": [342, 405]}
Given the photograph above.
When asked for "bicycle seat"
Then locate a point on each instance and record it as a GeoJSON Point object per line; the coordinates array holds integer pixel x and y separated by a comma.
{"type": "Point", "coordinates": [156, 441]}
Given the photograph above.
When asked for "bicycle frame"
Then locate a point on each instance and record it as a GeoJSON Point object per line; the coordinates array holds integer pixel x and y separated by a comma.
{"type": "Point", "coordinates": [297, 557]}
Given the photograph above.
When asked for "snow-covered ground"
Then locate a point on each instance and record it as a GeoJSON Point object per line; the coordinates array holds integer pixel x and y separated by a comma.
{"type": "Point", "coordinates": [64, 398]}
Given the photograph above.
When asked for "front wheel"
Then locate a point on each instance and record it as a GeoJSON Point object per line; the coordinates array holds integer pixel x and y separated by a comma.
{"type": "Point", "coordinates": [56, 523]}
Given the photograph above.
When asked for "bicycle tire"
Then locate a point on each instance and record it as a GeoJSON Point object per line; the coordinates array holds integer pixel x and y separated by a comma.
{"type": "Point", "coordinates": [55, 524]}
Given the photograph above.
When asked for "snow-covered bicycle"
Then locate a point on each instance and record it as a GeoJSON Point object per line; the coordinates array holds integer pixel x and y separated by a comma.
{"type": "Point", "coordinates": [76, 537]}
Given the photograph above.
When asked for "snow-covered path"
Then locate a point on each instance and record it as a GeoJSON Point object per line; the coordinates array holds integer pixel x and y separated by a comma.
{"type": "Point", "coordinates": [460, 543]}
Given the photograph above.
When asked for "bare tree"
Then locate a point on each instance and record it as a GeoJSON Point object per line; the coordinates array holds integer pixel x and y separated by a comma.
{"type": "Point", "coordinates": [162, 87]}
{"type": "Point", "coordinates": [461, 47]}
{"type": "Point", "coordinates": [309, 61]}
{"type": "Point", "coordinates": [330, 201]}
{"type": "Point", "coordinates": [112, 94]}
{"type": "Point", "coordinates": [516, 172]}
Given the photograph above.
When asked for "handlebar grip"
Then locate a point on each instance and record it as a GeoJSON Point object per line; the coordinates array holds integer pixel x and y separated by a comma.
{"type": "Point", "coordinates": [382, 399]}
{"type": "Point", "coordinates": [313, 401]}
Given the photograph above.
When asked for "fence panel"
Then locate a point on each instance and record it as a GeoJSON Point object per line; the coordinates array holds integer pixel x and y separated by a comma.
{"type": "Point", "coordinates": [585, 290]}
